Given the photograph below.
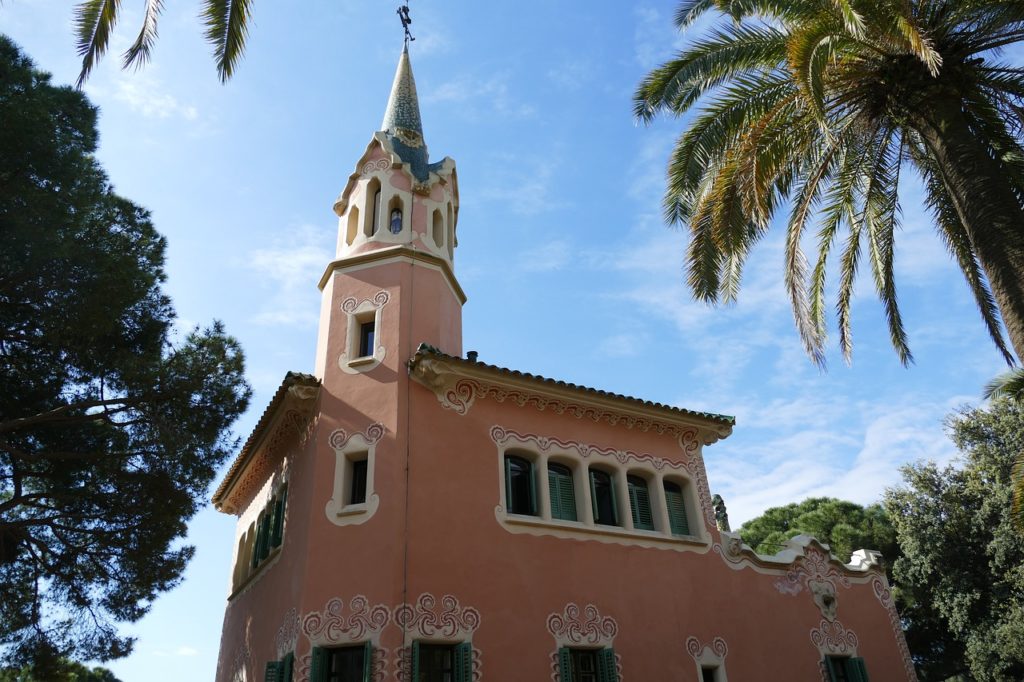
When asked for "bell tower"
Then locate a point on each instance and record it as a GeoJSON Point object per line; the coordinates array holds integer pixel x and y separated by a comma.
{"type": "Point", "coordinates": [396, 246]}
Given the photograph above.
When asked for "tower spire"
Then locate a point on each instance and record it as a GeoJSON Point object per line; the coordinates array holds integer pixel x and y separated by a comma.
{"type": "Point", "coordinates": [402, 122]}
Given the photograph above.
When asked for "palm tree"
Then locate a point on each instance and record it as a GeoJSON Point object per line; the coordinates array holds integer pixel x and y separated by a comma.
{"type": "Point", "coordinates": [820, 105]}
{"type": "Point", "coordinates": [226, 24]}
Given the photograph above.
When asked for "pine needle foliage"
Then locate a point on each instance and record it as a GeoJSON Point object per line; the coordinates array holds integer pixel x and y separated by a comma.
{"type": "Point", "coordinates": [818, 108]}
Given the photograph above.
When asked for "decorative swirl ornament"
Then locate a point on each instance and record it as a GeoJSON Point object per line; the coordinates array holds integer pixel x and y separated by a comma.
{"type": "Point", "coordinates": [590, 627]}
{"type": "Point", "coordinates": [833, 638]}
{"type": "Point", "coordinates": [339, 437]}
{"type": "Point", "coordinates": [450, 621]}
{"type": "Point", "coordinates": [378, 165]}
{"type": "Point", "coordinates": [332, 625]}
{"type": "Point", "coordinates": [378, 300]}
{"type": "Point", "coordinates": [884, 596]}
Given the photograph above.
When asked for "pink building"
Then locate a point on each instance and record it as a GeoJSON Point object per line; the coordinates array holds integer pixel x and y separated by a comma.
{"type": "Point", "coordinates": [408, 513]}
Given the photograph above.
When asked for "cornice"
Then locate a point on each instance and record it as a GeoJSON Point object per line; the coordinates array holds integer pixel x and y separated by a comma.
{"type": "Point", "coordinates": [399, 252]}
{"type": "Point", "coordinates": [459, 383]}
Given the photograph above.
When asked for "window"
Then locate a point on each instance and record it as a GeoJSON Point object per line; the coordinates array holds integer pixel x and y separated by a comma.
{"type": "Point", "coordinates": [442, 662]}
{"type": "Point", "coordinates": [396, 220]}
{"type": "Point", "coordinates": [280, 671]}
{"type": "Point", "coordinates": [560, 488]}
{"type": "Point", "coordinates": [676, 509]}
{"type": "Point", "coordinates": [846, 669]}
{"type": "Point", "coordinates": [375, 225]}
{"type": "Point", "coordinates": [358, 493]}
{"type": "Point", "coordinates": [602, 497]}
{"type": "Point", "coordinates": [366, 333]}
{"type": "Point", "coordinates": [269, 530]}
{"type": "Point", "coordinates": [640, 503]}
{"type": "Point", "coordinates": [709, 674]}
{"type": "Point", "coordinates": [587, 665]}
{"type": "Point", "coordinates": [520, 488]}
{"type": "Point", "coordinates": [342, 664]}
{"type": "Point", "coordinates": [437, 230]}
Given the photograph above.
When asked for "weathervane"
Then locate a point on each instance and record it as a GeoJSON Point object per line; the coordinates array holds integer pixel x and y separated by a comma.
{"type": "Point", "coordinates": [403, 15]}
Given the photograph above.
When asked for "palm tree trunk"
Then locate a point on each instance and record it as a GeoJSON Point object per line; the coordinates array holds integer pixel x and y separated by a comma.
{"type": "Point", "coordinates": [988, 208]}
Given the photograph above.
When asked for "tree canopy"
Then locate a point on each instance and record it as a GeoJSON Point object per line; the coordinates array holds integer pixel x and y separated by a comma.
{"type": "Point", "coordinates": [59, 670]}
{"type": "Point", "coordinates": [844, 526]}
{"type": "Point", "coordinates": [111, 427]}
{"type": "Point", "coordinates": [821, 107]}
{"type": "Point", "coordinates": [962, 562]}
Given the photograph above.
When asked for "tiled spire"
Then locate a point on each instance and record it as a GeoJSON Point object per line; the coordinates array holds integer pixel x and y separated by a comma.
{"type": "Point", "coordinates": [402, 117]}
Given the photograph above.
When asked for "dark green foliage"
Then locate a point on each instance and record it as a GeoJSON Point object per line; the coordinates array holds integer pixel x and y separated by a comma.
{"type": "Point", "coordinates": [816, 107]}
{"type": "Point", "coordinates": [961, 573]}
{"type": "Point", "coordinates": [110, 432]}
{"type": "Point", "coordinates": [844, 526]}
{"type": "Point", "coordinates": [59, 670]}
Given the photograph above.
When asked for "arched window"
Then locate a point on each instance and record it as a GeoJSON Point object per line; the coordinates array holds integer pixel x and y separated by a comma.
{"type": "Point", "coordinates": [602, 497]}
{"type": "Point", "coordinates": [640, 503]}
{"type": "Point", "coordinates": [438, 228]}
{"type": "Point", "coordinates": [520, 487]}
{"type": "Point", "coordinates": [451, 232]}
{"type": "Point", "coordinates": [563, 495]}
{"type": "Point", "coordinates": [373, 209]}
{"type": "Point", "coordinates": [676, 504]}
{"type": "Point", "coordinates": [353, 225]}
{"type": "Point", "coordinates": [395, 210]}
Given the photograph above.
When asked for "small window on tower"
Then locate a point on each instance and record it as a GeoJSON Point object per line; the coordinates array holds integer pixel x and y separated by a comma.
{"type": "Point", "coordinates": [366, 333]}
{"type": "Point", "coordinates": [358, 491]}
{"type": "Point", "coordinates": [396, 220]}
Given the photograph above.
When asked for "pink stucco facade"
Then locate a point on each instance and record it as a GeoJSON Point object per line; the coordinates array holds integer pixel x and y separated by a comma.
{"type": "Point", "coordinates": [432, 555]}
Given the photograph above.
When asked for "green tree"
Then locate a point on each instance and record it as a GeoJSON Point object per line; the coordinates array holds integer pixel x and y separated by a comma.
{"type": "Point", "coordinates": [226, 25]}
{"type": "Point", "coordinates": [821, 105]}
{"type": "Point", "coordinates": [110, 431]}
{"type": "Point", "coordinates": [844, 526]}
{"type": "Point", "coordinates": [962, 562]}
{"type": "Point", "coordinates": [60, 670]}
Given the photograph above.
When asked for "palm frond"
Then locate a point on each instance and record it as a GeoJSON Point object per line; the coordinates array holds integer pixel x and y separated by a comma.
{"type": "Point", "coordinates": [94, 21]}
{"type": "Point", "coordinates": [140, 51]}
{"type": "Point", "coordinates": [227, 26]}
{"type": "Point", "coordinates": [1006, 385]}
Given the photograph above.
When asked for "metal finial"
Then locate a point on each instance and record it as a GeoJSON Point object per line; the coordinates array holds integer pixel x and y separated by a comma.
{"type": "Point", "coordinates": [403, 16]}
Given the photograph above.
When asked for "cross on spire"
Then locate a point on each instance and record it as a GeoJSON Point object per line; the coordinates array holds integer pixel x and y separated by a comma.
{"type": "Point", "coordinates": [403, 16]}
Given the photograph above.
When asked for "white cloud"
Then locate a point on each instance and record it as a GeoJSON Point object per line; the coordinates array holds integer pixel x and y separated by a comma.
{"type": "Point", "coordinates": [143, 93]}
{"type": "Point", "coordinates": [625, 345]}
{"type": "Point", "coordinates": [478, 96]}
{"type": "Point", "coordinates": [293, 267]}
{"type": "Point", "coordinates": [526, 185]}
{"type": "Point", "coordinates": [186, 651]}
{"type": "Point", "coordinates": [571, 74]}
{"type": "Point", "coordinates": [551, 255]}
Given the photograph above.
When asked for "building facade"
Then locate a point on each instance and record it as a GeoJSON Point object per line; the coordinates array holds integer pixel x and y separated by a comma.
{"type": "Point", "coordinates": [410, 513]}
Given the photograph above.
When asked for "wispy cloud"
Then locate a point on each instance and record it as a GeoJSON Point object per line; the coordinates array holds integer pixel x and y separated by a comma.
{"type": "Point", "coordinates": [525, 184]}
{"type": "Point", "coordinates": [551, 255]}
{"type": "Point", "coordinates": [292, 269]}
{"type": "Point", "coordinates": [571, 74]}
{"type": "Point", "coordinates": [144, 93]}
{"type": "Point", "coordinates": [479, 96]}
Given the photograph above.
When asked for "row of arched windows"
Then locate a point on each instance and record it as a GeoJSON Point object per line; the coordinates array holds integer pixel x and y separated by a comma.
{"type": "Point", "coordinates": [391, 217]}
{"type": "Point", "coordinates": [597, 495]}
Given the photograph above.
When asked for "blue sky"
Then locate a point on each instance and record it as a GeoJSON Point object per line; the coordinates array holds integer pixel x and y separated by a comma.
{"type": "Point", "coordinates": [570, 271]}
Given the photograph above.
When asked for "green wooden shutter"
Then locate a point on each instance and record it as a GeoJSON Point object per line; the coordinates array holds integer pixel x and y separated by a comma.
{"type": "Point", "coordinates": [860, 670]}
{"type": "Point", "coordinates": [415, 662]}
{"type": "Point", "coordinates": [640, 503]}
{"type": "Point", "coordinates": [287, 667]}
{"type": "Point", "coordinates": [534, 507]}
{"type": "Point", "coordinates": [272, 673]}
{"type": "Point", "coordinates": [277, 531]}
{"type": "Point", "coordinates": [563, 495]}
{"type": "Point", "coordinates": [830, 665]}
{"type": "Point", "coordinates": [615, 502]}
{"type": "Point", "coordinates": [607, 670]}
{"type": "Point", "coordinates": [367, 661]}
{"type": "Point", "coordinates": [508, 485]}
{"type": "Point", "coordinates": [318, 665]}
{"type": "Point", "coordinates": [676, 512]}
{"type": "Point", "coordinates": [593, 494]}
{"type": "Point", "coordinates": [464, 662]}
{"type": "Point", "coordinates": [565, 664]}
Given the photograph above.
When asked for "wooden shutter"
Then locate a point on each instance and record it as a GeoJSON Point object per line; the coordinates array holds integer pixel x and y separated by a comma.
{"type": "Point", "coordinates": [565, 664]}
{"type": "Point", "coordinates": [830, 665]}
{"type": "Point", "coordinates": [318, 665]}
{"type": "Point", "coordinates": [367, 661]}
{"type": "Point", "coordinates": [415, 662]}
{"type": "Point", "coordinates": [287, 667]}
{"type": "Point", "coordinates": [676, 510]}
{"type": "Point", "coordinates": [607, 670]}
{"type": "Point", "coordinates": [562, 493]}
{"type": "Point", "coordinates": [533, 489]}
{"type": "Point", "coordinates": [464, 662]}
{"type": "Point", "coordinates": [593, 495]}
{"type": "Point", "coordinates": [640, 503]}
{"type": "Point", "coordinates": [508, 484]}
{"type": "Point", "coordinates": [860, 671]}
{"type": "Point", "coordinates": [272, 673]}
{"type": "Point", "coordinates": [277, 531]}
